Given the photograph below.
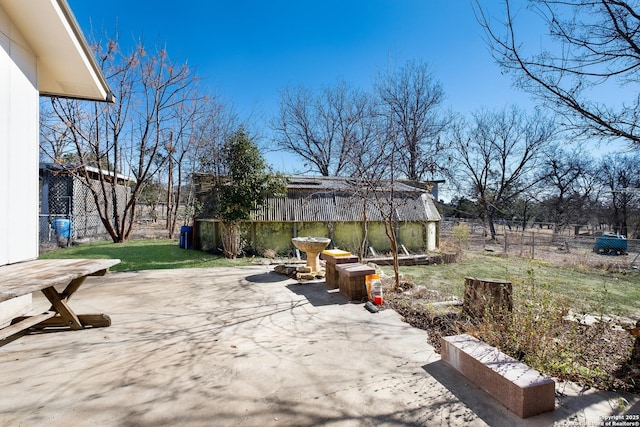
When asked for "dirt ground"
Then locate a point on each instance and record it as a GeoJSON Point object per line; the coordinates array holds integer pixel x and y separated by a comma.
{"type": "Point", "coordinates": [585, 257]}
{"type": "Point", "coordinates": [152, 230]}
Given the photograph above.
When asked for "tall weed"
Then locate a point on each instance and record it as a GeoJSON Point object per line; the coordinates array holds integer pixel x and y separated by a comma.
{"type": "Point", "coordinates": [538, 333]}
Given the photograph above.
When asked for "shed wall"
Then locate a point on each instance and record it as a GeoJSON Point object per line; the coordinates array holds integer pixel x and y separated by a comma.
{"type": "Point", "coordinates": [412, 236]}
{"type": "Point", "coordinates": [274, 236]}
{"type": "Point", "coordinates": [260, 236]}
{"type": "Point", "coordinates": [432, 236]}
{"type": "Point", "coordinates": [347, 236]}
{"type": "Point", "coordinates": [208, 235]}
{"type": "Point", "coordinates": [311, 229]}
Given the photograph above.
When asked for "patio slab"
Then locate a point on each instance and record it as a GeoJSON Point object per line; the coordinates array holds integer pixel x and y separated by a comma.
{"type": "Point", "coordinates": [247, 347]}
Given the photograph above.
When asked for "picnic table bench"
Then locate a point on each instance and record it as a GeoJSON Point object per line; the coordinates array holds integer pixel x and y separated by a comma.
{"type": "Point", "coordinates": [24, 278]}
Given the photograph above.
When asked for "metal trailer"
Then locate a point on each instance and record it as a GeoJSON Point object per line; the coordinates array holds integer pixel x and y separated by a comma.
{"type": "Point", "coordinates": [611, 244]}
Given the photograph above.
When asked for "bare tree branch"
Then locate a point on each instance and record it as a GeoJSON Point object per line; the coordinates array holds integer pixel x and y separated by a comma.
{"type": "Point", "coordinates": [593, 43]}
{"type": "Point", "coordinates": [499, 153]}
{"type": "Point", "coordinates": [129, 137]}
{"type": "Point", "coordinates": [411, 100]}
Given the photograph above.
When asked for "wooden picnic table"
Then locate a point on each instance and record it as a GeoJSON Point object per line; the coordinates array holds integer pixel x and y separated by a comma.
{"type": "Point", "coordinates": [24, 278]}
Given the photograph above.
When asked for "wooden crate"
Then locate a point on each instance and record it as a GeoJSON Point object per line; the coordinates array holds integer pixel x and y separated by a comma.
{"type": "Point", "coordinates": [331, 261]}
{"type": "Point", "coordinates": [351, 280]}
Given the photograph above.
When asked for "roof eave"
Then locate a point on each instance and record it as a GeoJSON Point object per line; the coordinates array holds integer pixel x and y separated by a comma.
{"type": "Point", "coordinates": [96, 70]}
{"type": "Point", "coordinates": [66, 64]}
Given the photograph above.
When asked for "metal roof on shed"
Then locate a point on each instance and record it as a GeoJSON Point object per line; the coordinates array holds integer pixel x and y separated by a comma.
{"type": "Point", "coordinates": [333, 183]}
{"type": "Point", "coordinates": [341, 206]}
{"type": "Point", "coordinates": [339, 199]}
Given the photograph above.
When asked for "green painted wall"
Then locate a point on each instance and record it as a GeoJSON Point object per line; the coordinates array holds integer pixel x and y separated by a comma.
{"type": "Point", "coordinates": [378, 239]}
{"type": "Point", "coordinates": [275, 236]}
{"type": "Point", "coordinates": [412, 236]}
{"type": "Point", "coordinates": [208, 233]}
{"type": "Point", "coordinates": [312, 229]}
{"type": "Point", "coordinates": [247, 238]}
{"type": "Point", "coordinates": [260, 236]}
{"type": "Point", "coordinates": [348, 236]}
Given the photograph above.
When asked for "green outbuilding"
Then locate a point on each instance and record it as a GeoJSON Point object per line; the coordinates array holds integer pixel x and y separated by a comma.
{"type": "Point", "coordinates": [353, 213]}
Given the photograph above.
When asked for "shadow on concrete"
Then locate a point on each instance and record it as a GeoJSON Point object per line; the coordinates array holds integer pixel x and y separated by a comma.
{"type": "Point", "coordinates": [317, 293]}
{"type": "Point", "coordinates": [635, 409]}
{"type": "Point", "coordinates": [270, 277]}
{"type": "Point", "coordinates": [480, 402]}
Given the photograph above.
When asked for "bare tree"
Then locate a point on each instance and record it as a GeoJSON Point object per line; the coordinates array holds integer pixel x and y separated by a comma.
{"type": "Point", "coordinates": [592, 45]}
{"type": "Point", "coordinates": [218, 123]}
{"type": "Point", "coordinates": [620, 177]}
{"type": "Point", "coordinates": [323, 129]}
{"type": "Point", "coordinates": [498, 154]}
{"type": "Point", "coordinates": [128, 138]}
{"type": "Point", "coordinates": [375, 184]}
{"type": "Point", "coordinates": [565, 177]}
{"type": "Point", "coordinates": [410, 100]}
{"type": "Point", "coordinates": [199, 148]}
{"type": "Point", "coordinates": [55, 144]}
{"type": "Point", "coordinates": [181, 142]}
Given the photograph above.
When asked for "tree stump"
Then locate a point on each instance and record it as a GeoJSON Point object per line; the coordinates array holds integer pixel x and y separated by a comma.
{"type": "Point", "coordinates": [449, 257]}
{"type": "Point", "coordinates": [492, 297]}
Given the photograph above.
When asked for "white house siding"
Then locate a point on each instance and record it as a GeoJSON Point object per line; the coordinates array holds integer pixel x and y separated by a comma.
{"type": "Point", "coordinates": [18, 152]}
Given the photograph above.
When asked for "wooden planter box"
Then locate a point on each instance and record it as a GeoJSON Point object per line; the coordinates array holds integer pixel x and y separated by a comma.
{"type": "Point", "coordinates": [331, 261]}
{"type": "Point", "coordinates": [351, 280]}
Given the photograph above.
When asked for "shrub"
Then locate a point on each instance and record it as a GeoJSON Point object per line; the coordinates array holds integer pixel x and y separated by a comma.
{"type": "Point", "coordinates": [461, 235]}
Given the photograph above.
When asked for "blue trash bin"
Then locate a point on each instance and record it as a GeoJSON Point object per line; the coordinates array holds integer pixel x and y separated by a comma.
{"type": "Point", "coordinates": [62, 228]}
{"type": "Point", "coordinates": [186, 237]}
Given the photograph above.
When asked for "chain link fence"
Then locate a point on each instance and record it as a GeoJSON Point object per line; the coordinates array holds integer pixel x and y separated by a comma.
{"type": "Point", "coordinates": [536, 241]}
{"type": "Point", "coordinates": [69, 212]}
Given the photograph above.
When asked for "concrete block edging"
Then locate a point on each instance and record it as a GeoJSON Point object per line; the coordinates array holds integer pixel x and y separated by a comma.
{"type": "Point", "coordinates": [521, 389]}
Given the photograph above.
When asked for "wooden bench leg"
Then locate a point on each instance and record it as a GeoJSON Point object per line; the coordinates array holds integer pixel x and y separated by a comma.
{"type": "Point", "coordinates": [71, 288]}
{"type": "Point", "coordinates": [62, 308]}
{"type": "Point", "coordinates": [95, 320]}
{"type": "Point", "coordinates": [87, 321]}
{"type": "Point", "coordinates": [60, 315]}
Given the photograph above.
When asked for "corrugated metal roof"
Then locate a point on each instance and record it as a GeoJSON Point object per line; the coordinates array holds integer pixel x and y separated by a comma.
{"type": "Point", "coordinates": [336, 199]}
{"type": "Point", "coordinates": [333, 183]}
{"type": "Point", "coordinates": [339, 206]}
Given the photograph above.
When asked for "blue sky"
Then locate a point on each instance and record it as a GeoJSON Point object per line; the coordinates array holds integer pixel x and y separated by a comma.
{"type": "Point", "coordinates": [247, 51]}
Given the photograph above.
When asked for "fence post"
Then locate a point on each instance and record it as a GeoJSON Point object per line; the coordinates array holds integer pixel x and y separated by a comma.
{"type": "Point", "coordinates": [533, 245]}
{"type": "Point", "coordinates": [506, 250]}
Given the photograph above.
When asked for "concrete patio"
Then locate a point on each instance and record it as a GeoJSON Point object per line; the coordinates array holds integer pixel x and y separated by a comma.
{"type": "Point", "coordinates": [247, 347]}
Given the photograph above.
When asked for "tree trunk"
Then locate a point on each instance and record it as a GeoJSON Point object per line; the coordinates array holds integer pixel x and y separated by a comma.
{"type": "Point", "coordinates": [389, 228]}
{"type": "Point", "coordinates": [169, 221]}
{"type": "Point", "coordinates": [491, 225]}
{"type": "Point", "coordinates": [172, 228]}
{"type": "Point", "coordinates": [493, 297]}
{"type": "Point", "coordinates": [231, 241]}
{"type": "Point", "coordinates": [365, 231]}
